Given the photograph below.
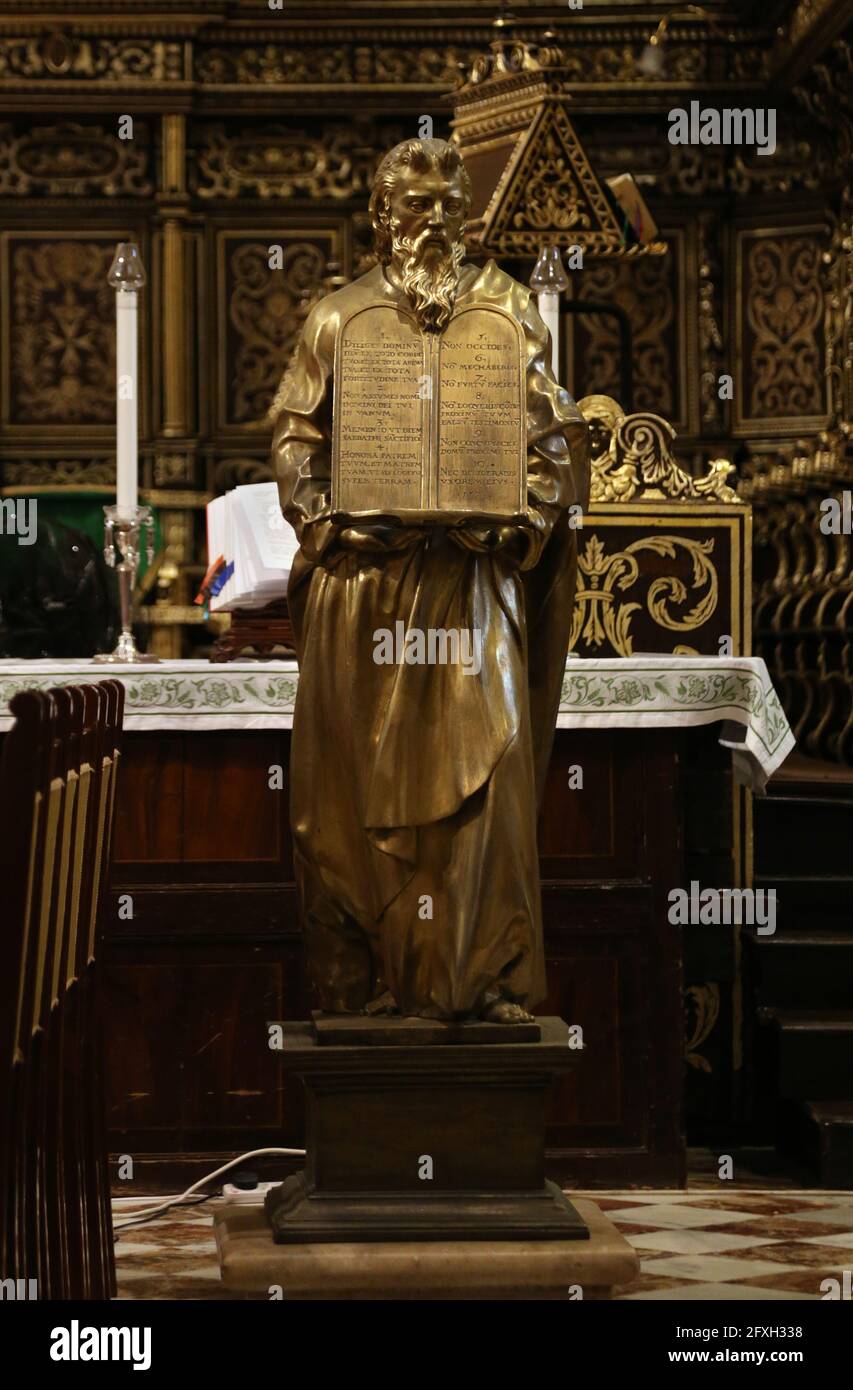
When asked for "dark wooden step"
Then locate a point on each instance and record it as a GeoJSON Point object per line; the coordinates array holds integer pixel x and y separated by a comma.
{"type": "Point", "coordinates": [811, 777]}
{"type": "Point", "coordinates": [814, 1052]}
{"type": "Point", "coordinates": [820, 1134]}
{"type": "Point", "coordinates": [810, 903]}
{"type": "Point", "coordinates": [809, 835]}
{"type": "Point", "coordinates": [802, 970]}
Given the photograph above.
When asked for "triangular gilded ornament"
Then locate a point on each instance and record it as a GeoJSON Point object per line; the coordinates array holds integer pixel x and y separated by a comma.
{"type": "Point", "coordinates": [549, 194]}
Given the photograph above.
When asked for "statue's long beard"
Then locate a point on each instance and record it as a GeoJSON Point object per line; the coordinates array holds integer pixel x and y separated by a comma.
{"type": "Point", "coordinates": [431, 287]}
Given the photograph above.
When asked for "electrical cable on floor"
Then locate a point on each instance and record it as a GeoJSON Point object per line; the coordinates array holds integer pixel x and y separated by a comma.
{"type": "Point", "coordinates": [149, 1213]}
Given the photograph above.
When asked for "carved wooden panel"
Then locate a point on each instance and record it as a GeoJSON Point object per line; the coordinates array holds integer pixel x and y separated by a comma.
{"type": "Point", "coordinates": [57, 313]}
{"type": "Point", "coordinates": [779, 330]}
{"type": "Point", "coordinates": [675, 578]}
{"type": "Point", "coordinates": [261, 310]}
{"type": "Point", "coordinates": [651, 292]}
{"type": "Point", "coordinates": [73, 159]}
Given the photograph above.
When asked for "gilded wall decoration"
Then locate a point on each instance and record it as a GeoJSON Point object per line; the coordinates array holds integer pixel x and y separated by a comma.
{"type": "Point", "coordinates": [71, 473]}
{"type": "Point", "coordinates": [646, 291]}
{"type": "Point", "coordinates": [74, 161]}
{"type": "Point", "coordinates": [235, 472]}
{"type": "Point", "coordinates": [61, 331]}
{"type": "Point", "coordinates": [171, 470]}
{"type": "Point", "coordinates": [278, 63]}
{"type": "Point", "coordinates": [69, 57]}
{"type": "Point", "coordinates": [804, 159]}
{"type": "Point", "coordinates": [600, 617]}
{"type": "Point", "coordinates": [804, 591]}
{"type": "Point", "coordinates": [283, 162]}
{"type": "Point", "coordinates": [711, 356]}
{"type": "Point", "coordinates": [429, 64]}
{"type": "Point", "coordinates": [632, 459]}
{"type": "Point", "coordinates": [701, 1012]}
{"type": "Point", "coordinates": [609, 62]}
{"type": "Point", "coordinates": [265, 313]}
{"type": "Point", "coordinates": [782, 333]}
{"type": "Point", "coordinates": [838, 286]}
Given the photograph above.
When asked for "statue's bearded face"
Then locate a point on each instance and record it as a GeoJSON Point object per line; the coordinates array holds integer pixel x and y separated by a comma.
{"type": "Point", "coordinates": [426, 215]}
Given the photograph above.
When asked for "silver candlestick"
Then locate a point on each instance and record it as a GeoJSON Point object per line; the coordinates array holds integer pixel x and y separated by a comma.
{"type": "Point", "coordinates": [124, 531]}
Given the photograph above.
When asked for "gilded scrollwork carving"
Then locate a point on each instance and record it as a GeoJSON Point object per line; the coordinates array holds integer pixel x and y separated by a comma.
{"type": "Point", "coordinates": [427, 64]}
{"type": "Point", "coordinates": [710, 334]}
{"type": "Point", "coordinates": [600, 617]}
{"type": "Point", "coordinates": [267, 308]}
{"type": "Point", "coordinates": [785, 319]}
{"type": "Point", "coordinates": [71, 473]}
{"type": "Point", "coordinates": [644, 290]}
{"type": "Point", "coordinates": [61, 332]}
{"type": "Point", "coordinates": [97, 59]}
{"type": "Point", "coordinates": [278, 63]}
{"type": "Point", "coordinates": [701, 1010]}
{"type": "Point", "coordinates": [170, 470]}
{"type": "Point", "coordinates": [72, 160]}
{"type": "Point", "coordinates": [804, 597]}
{"type": "Point", "coordinates": [632, 459]}
{"type": "Point", "coordinates": [234, 472]}
{"type": "Point", "coordinates": [282, 162]}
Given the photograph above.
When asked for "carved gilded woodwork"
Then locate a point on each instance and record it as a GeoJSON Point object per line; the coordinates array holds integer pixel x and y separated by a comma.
{"type": "Point", "coordinates": [58, 321]}
{"type": "Point", "coordinates": [74, 161]}
{"type": "Point", "coordinates": [262, 311]}
{"type": "Point", "coordinates": [650, 291]}
{"type": "Point", "coordinates": [631, 459]}
{"type": "Point", "coordinates": [532, 182]}
{"type": "Point", "coordinates": [278, 63]}
{"type": "Point", "coordinates": [784, 313]}
{"type": "Point", "coordinates": [70, 57]}
{"type": "Point", "coordinates": [702, 1012]}
{"type": "Point", "coordinates": [804, 591]}
{"type": "Point", "coordinates": [173, 470]}
{"type": "Point", "coordinates": [276, 161]}
{"type": "Point", "coordinates": [69, 474]}
{"type": "Point", "coordinates": [663, 559]}
{"type": "Point", "coordinates": [779, 328]}
{"type": "Point", "coordinates": [601, 619]}
{"type": "Point", "coordinates": [712, 358]}
{"type": "Point", "coordinates": [234, 472]}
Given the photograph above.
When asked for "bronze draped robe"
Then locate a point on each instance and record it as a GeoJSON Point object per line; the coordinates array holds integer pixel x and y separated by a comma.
{"type": "Point", "coordinates": [414, 788]}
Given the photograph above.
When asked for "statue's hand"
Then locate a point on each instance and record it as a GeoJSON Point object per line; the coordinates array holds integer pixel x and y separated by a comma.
{"type": "Point", "coordinates": [486, 538]}
{"type": "Point", "coordinates": [378, 537]}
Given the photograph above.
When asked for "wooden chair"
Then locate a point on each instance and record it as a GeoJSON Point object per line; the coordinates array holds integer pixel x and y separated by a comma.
{"type": "Point", "coordinates": [57, 797]}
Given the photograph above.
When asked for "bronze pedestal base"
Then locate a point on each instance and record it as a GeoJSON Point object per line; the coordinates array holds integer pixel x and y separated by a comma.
{"type": "Point", "coordinates": [424, 1142]}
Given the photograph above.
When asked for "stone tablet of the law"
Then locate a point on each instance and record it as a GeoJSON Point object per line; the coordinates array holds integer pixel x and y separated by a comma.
{"type": "Point", "coordinates": [429, 426]}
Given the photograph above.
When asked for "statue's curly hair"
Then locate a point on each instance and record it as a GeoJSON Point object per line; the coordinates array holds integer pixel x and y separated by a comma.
{"type": "Point", "coordinates": [421, 156]}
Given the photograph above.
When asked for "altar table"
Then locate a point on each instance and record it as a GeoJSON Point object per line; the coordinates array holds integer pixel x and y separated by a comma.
{"type": "Point", "coordinates": [202, 941]}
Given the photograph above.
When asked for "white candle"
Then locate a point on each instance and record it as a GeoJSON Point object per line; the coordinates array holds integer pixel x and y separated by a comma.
{"type": "Point", "coordinates": [127, 276]}
{"type": "Point", "coordinates": [127, 415]}
{"type": "Point", "coordinates": [549, 310]}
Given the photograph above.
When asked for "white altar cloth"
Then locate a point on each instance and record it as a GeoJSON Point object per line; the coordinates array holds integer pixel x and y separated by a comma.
{"type": "Point", "coordinates": [610, 692]}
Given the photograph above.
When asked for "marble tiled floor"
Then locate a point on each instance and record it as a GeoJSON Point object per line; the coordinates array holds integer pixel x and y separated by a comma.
{"type": "Point", "coordinates": [700, 1244]}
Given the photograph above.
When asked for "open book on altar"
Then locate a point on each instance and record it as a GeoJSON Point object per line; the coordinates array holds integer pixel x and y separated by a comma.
{"type": "Point", "coordinates": [250, 548]}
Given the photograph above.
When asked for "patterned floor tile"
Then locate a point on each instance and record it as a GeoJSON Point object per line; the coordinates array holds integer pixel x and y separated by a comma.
{"type": "Point", "coordinates": [693, 1245]}
{"type": "Point", "coordinates": [840, 1214]}
{"type": "Point", "coordinates": [717, 1269]}
{"type": "Point", "coordinates": [718, 1293]}
{"type": "Point", "coordinates": [678, 1216]}
{"type": "Point", "coordinates": [690, 1242]}
{"type": "Point", "coordinates": [775, 1228]}
{"type": "Point", "coordinates": [844, 1240]}
{"type": "Point", "coordinates": [801, 1255]}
